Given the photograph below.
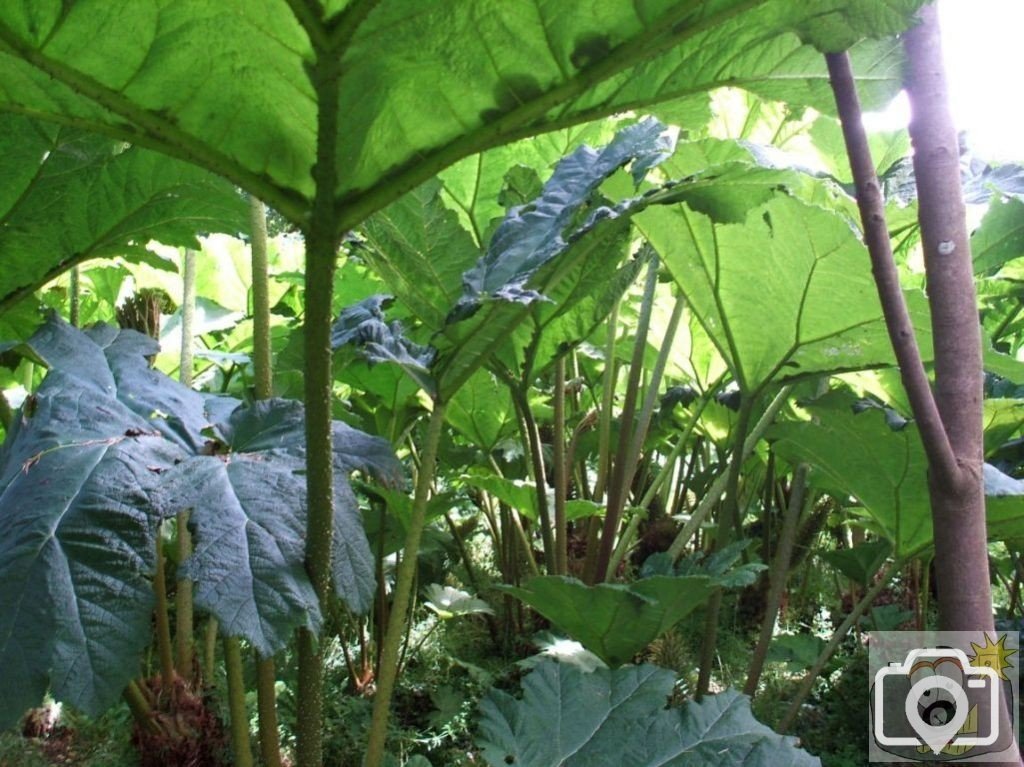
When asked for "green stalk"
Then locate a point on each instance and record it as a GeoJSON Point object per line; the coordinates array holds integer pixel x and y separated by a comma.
{"type": "Point", "coordinates": [142, 712]}
{"type": "Point", "coordinates": [664, 473]}
{"type": "Point", "coordinates": [837, 637]}
{"type": "Point", "coordinates": [728, 525]}
{"type": "Point", "coordinates": [240, 746]}
{"type": "Point", "coordinates": [163, 623]}
{"type": "Point", "coordinates": [640, 435]}
{"type": "Point", "coordinates": [210, 649]}
{"type": "Point", "coordinates": [560, 470]}
{"type": "Point", "coordinates": [322, 239]}
{"type": "Point", "coordinates": [261, 362]}
{"type": "Point", "coordinates": [188, 315]}
{"type": "Point", "coordinates": [714, 492]}
{"type": "Point", "coordinates": [617, 488]}
{"type": "Point", "coordinates": [405, 577]}
{"type": "Point", "coordinates": [535, 451]}
{"type": "Point", "coordinates": [266, 672]}
{"type": "Point", "coordinates": [778, 576]}
{"type": "Point", "coordinates": [604, 429]}
{"type": "Point", "coordinates": [183, 596]}
{"type": "Point", "coordinates": [266, 709]}
{"type": "Point", "coordinates": [75, 291]}
{"type": "Point", "coordinates": [183, 604]}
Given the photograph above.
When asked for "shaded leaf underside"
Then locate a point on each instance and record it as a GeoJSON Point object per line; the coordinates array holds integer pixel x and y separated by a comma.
{"type": "Point", "coordinates": [223, 83]}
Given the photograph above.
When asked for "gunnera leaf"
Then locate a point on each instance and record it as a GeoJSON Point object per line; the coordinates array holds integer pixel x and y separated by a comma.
{"type": "Point", "coordinates": [95, 459]}
{"type": "Point", "coordinates": [248, 518]}
{"type": "Point", "coordinates": [617, 718]}
{"type": "Point", "coordinates": [533, 234]}
{"type": "Point", "coordinates": [614, 621]}
{"type": "Point", "coordinates": [363, 325]}
{"type": "Point", "coordinates": [78, 471]}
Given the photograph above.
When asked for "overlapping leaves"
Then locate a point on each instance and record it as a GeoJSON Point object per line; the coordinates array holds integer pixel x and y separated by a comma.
{"type": "Point", "coordinates": [98, 455]}
{"type": "Point", "coordinates": [861, 455]}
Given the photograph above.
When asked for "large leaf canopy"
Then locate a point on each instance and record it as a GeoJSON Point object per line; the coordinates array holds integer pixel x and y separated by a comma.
{"type": "Point", "coordinates": [224, 83]}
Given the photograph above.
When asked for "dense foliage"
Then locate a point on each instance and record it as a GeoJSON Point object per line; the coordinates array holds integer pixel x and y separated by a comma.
{"type": "Point", "coordinates": [594, 281]}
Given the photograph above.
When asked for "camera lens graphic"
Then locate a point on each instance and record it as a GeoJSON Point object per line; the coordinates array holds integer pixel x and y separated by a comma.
{"type": "Point", "coordinates": [936, 708]}
{"type": "Point", "coordinates": [936, 705]}
{"type": "Point", "coordinates": [938, 713]}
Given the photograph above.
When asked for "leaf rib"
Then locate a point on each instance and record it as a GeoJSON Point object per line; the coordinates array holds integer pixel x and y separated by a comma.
{"type": "Point", "coordinates": [528, 118]}
{"type": "Point", "coordinates": [161, 133]}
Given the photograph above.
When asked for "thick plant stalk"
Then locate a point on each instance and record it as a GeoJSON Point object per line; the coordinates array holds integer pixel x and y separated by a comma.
{"type": "Point", "coordinates": [714, 492]}
{"type": "Point", "coordinates": [183, 640]}
{"type": "Point", "coordinates": [75, 291]}
{"type": "Point", "coordinates": [876, 238]}
{"type": "Point", "coordinates": [261, 362]}
{"type": "Point", "coordinates": [727, 528]}
{"type": "Point", "coordinates": [322, 239]}
{"type": "Point", "coordinates": [266, 672]}
{"type": "Point", "coordinates": [163, 624]}
{"type": "Point", "coordinates": [626, 540]}
{"type": "Point", "coordinates": [778, 576]}
{"type": "Point", "coordinates": [405, 577]}
{"type": "Point", "coordinates": [210, 648]}
{"type": "Point", "coordinates": [188, 315]}
{"type": "Point", "coordinates": [240, 746]}
{"type": "Point", "coordinates": [183, 596]}
{"type": "Point", "coordinates": [142, 712]}
{"type": "Point", "coordinates": [950, 418]}
{"type": "Point", "coordinates": [535, 450]}
{"type": "Point", "coordinates": [604, 429]}
{"type": "Point", "coordinates": [957, 493]}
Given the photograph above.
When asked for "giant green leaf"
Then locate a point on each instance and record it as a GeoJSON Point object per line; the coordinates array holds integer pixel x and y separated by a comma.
{"type": "Point", "coordinates": [861, 455]}
{"type": "Point", "coordinates": [533, 234]}
{"type": "Point", "coordinates": [481, 410]}
{"type": "Point", "coordinates": [77, 532]}
{"type": "Point", "coordinates": [617, 718]}
{"type": "Point", "coordinates": [248, 518]}
{"type": "Point", "coordinates": [615, 621]}
{"type": "Point", "coordinates": [565, 240]}
{"type": "Point", "coordinates": [97, 456]}
{"type": "Point", "coordinates": [419, 248]}
{"type": "Point", "coordinates": [1000, 238]}
{"type": "Point", "coordinates": [71, 196]}
{"type": "Point", "coordinates": [225, 84]}
{"type": "Point", "coordinates": [786, 293]}
{"type": "Point", "coordinates": [481, 188]}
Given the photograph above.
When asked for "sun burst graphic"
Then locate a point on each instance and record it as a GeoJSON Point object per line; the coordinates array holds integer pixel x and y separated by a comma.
{"type": "Point", "coordinates": [993, 655]}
